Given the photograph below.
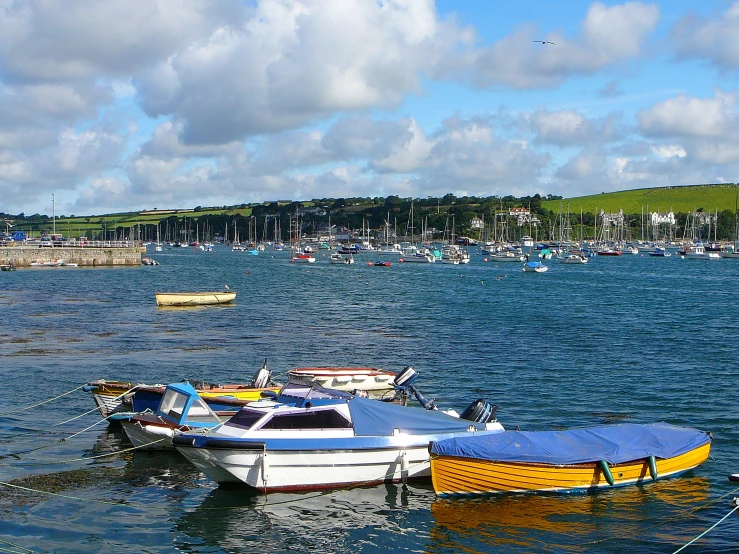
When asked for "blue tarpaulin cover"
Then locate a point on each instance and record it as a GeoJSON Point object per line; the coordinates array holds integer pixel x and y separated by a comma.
{"type": "Point", "coordinates": [374, 418]}
{"type": "Point", "coordinates": [614, 443]}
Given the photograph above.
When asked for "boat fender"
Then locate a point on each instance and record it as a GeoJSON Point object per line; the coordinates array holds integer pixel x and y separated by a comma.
{"type": "Point", "coordinates": [265, 467]}
{"type": "Point", "coordinates": [360, 393]}
{"type": "Point", "coordinates": [652, 468]}
{"type": "Point", "coordinates": [606, 472]}
{"type": "Point", "coordinates": [89, 388]}
{"type": "Point", "coordinates": [158, 430]}
{"type": "Point", "coordinates": [404, 466]}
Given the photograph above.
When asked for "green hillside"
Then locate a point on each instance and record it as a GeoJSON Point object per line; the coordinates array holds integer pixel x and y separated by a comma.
{"type": "Point", "coordinates": [678, 199]}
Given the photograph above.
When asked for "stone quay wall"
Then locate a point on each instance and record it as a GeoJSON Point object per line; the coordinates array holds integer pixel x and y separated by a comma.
{"type": "Point", "coordinates": [92, 256]}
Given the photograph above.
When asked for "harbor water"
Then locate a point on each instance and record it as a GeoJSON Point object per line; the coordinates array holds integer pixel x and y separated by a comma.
{"type": "Point", "coordinates": [627, 339]}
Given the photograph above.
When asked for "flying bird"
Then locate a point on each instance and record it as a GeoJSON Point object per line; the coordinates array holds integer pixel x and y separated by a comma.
{"type": "Point", "coordinates": [544, 42]}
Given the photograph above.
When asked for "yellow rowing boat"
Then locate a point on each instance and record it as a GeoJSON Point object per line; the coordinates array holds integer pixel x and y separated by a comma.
{"type": "Point", "coordinates": [564, 461]}
{"type": "Point", "coordinates": [194, 298]}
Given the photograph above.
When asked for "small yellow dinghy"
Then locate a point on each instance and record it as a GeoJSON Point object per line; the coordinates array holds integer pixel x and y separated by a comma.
{"type": "Point", "coordinates": [565, 461]}
{"type": "Point", "coordinates": [194, 298]}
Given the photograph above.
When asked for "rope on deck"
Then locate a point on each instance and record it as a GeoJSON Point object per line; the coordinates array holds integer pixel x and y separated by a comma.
{"type": "Point", "coordinates": [735, 502]}
{"type": "Point", "coordinates": [43, 402]}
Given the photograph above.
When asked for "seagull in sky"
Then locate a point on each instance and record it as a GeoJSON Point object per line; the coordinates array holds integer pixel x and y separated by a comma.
{"type": "Point", "coordinates": [544, 42]}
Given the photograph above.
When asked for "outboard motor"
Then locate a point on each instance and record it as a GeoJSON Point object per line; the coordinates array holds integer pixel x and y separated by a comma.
{"type": "Point", "coordinates": [428, 404]}
{"type": "Point", "coordinates": [480, 411]}
{"type": "Point", "coordinates": [261, 377]}
{"type": "Point", "coordinates": [405, 377]}
{"type": "Point", "coordinates": [403, 383]}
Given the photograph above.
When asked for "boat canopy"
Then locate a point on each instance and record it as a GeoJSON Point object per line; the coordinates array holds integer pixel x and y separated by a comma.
{"type": "Point", "coordinates": [613, 443]}
{"type": "Point", "coordinates": [376, 418]}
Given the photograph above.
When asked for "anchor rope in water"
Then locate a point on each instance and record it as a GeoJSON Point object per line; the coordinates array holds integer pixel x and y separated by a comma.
{"type": "Point", "coordinates": [29, 489]}
{"type": "Point", "coordinates": [14, 546]}
{"type": "Point", "coordinates": [41, 403]}
{"type": "Point", "coordinates": [65, 422]}
{"type": "Point", "coordinates": [58, 441]}
{"type": "Point", "coordinates": [34, 462]}
{"type": "Point", "coordinates": [682, 514]}
{"type": "Point", "coordinates": [15, 551]}
{"type": "Point", "coordinates": [711, 528]}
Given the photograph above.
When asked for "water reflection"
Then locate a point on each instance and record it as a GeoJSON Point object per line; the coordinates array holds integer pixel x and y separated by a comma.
{"type": "Point", "coordinates": [347, 520]}
{"type": "Point", "coordinates": [601, 520]}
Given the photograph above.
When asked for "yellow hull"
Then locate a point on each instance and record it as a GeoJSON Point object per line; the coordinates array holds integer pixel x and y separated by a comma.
{"type": "Point", "coordinates": [193, 298]}
{"type": "Point", "coordinates": [465, 476]}
{"type": "Point", "coordinates": [108, 395]}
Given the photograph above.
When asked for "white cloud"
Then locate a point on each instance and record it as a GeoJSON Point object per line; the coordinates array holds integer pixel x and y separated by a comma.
{"type": "Point", "coordinates": [695, 37]}
{"type": "Point", "coordinates": [669, 151]}
{"type": "Point", "coordinates": [608, 35]}
{"type": "Point", "coordinates": [686, 116]}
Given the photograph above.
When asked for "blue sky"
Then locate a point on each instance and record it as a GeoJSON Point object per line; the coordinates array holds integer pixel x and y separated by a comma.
{"type": "Point", "coordinates": [136, 104]}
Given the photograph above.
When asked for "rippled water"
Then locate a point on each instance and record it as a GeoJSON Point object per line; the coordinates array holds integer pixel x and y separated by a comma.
{"type": "Point", "coordinates": [632, 338]}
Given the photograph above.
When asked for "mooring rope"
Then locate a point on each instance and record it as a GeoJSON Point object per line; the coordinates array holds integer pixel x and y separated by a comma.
{"type": "Point", "coordinates": [33, 462]}
{"type": "Point", "coordinates": [679, 516]}
{"type": "Point", "coordinates": [43, 402]}
{"type": "Point", "coordinates": [108, 502]}
{"type": "Point", "coordinates": [711, 528]}
{"type": "Point", "coordinates": [14, 546]}
{"type": "Point", "coordinates": [15, 551]}
{"type": "Point", "coordinates": [21, 548]}
{"type": "Point", "coordinates": [83, 414]}
{"type": "Point", "coordinates": [58, 441]}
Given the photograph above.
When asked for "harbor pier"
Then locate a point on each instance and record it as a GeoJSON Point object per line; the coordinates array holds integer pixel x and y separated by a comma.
{"type": "Point", "coordinates": [88, 255]}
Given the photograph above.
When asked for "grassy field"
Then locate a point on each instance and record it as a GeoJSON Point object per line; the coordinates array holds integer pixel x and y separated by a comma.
{"type": "Point", "coordinates": [678, 199]}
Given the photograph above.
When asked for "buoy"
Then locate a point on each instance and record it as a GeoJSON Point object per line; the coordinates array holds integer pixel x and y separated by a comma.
{"type": "Point", "coordinates": [401, 260]}
{"type": "Point", "coordinates": [484, 259]}
{"type": "Point", "coordinates": [606, 472]}
{"type": "Point", "coordinates": [246, 273]}
{"type": "Point", "coordinates": [652, 467]}
{"type": "Point", "coordinates": [369, 263]}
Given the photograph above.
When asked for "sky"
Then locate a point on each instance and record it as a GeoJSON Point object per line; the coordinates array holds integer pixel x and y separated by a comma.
{"type": "Point", "coordinates": [129, 105]}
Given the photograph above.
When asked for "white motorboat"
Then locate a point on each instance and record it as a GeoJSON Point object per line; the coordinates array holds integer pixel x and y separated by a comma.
{"type": "Point", "coordinates": [698, 252]}
{"type": "Point", "coordinates": [47, 263]}
{"type": "Point", "coordinates": [507, 256]}
{"type": "Point", "coordinates": [314, 438]}
{"type": "Point", "coordinates": [376, 382]}
{"type": "Point", "coordinates": [570, 258]}
{"type": "Point", "coordinates": [337, 258]}
{"type": "Point", "coordinates": [303, 259]}
{"type": "Point", "coordinates": [419, 257]}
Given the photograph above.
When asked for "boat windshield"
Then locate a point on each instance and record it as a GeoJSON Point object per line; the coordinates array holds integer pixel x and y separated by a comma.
{"type": "Point", "coordinates": [173, 403]}
{"type": "Point", "coordinates": [245, 418]}
{"type": "Point", "coordinates": [200, 412]}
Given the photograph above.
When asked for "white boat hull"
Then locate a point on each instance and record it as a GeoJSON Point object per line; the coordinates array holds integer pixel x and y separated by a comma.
{"type": "Point", "coordinates": [428, 259]}
{"type": "Point", "coordinates": [504, 259]}
{"type": "Point", "coordinates": [148, 437]}
{"type": "Point", "coordinates": [271, 470]}
{"type": "Point", "coordinates": [374, 382]}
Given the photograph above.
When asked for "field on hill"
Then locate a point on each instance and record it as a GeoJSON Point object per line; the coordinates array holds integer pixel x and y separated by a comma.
{"type": "Point", "coordinates": [678, 199]}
